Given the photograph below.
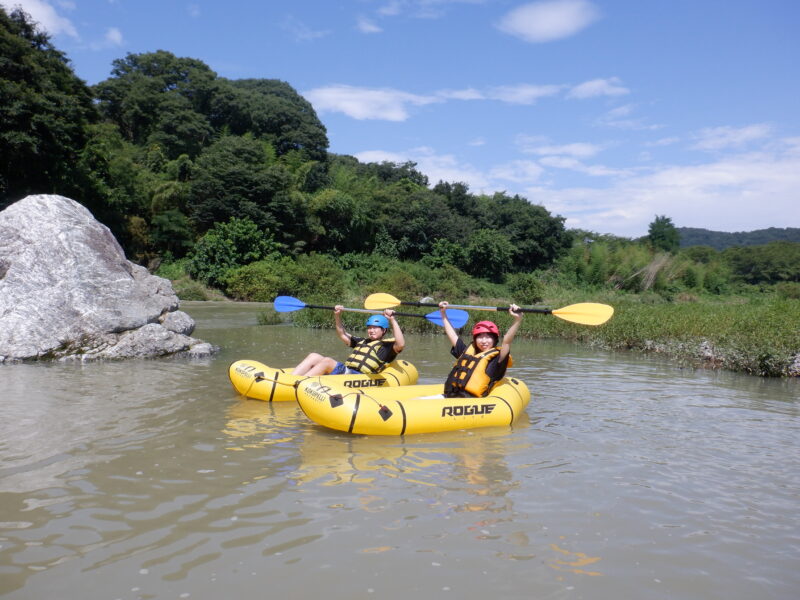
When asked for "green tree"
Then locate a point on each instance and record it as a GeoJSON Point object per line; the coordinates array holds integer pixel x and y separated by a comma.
{"type": "Point", "coordinates": [233, 178]}
{"type": "Point", "coordinates": [44, 112]}
{"type": "Point", "coordinates": [337, 222]}
{"type": "Point", "coordinates": [272, 110]}
{"type": "Point", "coordinates": [538, 237]}
{"type": "Point", "coordinates": [489, 255]}
{"type": "Point", "coordinates": [159, 94]}
{"type": "Point", "coordinates": [663, 235]}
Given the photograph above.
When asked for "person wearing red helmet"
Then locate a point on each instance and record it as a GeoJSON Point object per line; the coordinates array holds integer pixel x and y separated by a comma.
{"type": "Point", "coordinates": [482, 363]}
{"type": "Point", "coordinates": [369, 355]}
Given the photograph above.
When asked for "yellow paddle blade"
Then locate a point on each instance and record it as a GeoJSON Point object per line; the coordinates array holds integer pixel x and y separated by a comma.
{"type": "Point", "coordinates": [585, 313]}
{"type": "Point", "coordinates": [381, 301]}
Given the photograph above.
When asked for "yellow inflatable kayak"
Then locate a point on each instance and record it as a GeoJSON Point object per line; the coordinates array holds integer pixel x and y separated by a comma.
{"type": "Point", "coordinates": [408, 409]}
{"type": "Point", "coordinates": [256, 380]}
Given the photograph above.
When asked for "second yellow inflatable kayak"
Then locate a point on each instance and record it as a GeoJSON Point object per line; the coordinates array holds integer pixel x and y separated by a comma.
{"type": "Point", "coordinates": [261, 382]}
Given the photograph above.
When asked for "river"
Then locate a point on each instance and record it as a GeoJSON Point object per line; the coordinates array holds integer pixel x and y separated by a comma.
{"type": "Point", "coordinates": [628, 477]}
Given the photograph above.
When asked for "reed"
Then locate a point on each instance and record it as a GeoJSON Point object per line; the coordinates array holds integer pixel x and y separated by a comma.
{"type": "Point", "coordinates": [755, 335]}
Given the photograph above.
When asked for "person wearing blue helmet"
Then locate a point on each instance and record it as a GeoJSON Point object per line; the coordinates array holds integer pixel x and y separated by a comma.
{"type": "Point", "coordinates": [369, 355]}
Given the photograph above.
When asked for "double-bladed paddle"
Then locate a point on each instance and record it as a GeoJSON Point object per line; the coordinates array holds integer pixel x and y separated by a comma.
{"type": "Point", "coordinates": [584, 313]}
{"type": "Point", "coordinates": [457, 318]}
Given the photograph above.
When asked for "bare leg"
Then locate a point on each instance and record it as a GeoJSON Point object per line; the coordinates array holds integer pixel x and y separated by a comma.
{"type": "Point", "coordinates": [321, 365]}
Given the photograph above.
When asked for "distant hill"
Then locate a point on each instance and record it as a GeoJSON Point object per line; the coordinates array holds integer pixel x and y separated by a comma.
{"type": "Point", "coordinates": [719, 240]}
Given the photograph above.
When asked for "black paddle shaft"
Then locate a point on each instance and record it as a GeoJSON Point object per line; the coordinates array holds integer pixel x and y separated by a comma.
{"type": "Point", "coordinates": [543, 311]}
{"type": "Point", "coordinates": [399, 314]}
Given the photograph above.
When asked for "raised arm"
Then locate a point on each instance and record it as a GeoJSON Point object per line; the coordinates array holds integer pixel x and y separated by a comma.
{"type": "Point", "coordinates": [448, 327]}
{"type": "Point", "coordinates": [337, 317]}
{"type": "Point", "coordinates": [399, 339]}
{"type": "Point", "coordinates": [505, 349]}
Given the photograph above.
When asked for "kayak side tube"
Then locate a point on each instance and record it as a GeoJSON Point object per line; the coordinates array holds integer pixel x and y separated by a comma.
{"type": "Point", "coordinates": [408, 409]}
{"type": "Point", "coordinates": [256, 380]}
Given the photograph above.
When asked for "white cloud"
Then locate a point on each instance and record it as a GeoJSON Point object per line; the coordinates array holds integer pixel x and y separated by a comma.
{"type": "Point", "coordinates": [517, 171]}
{"type": "Point", "coordinates": [391, 9]}
{"type": "Point", "coordinates": [393, 105]}
{"type": "Point", "coordinates": [301, 31]}
{"type": "Point", "coordinates": [738, 193]}
{"type": "Point", "coordinates": [194, 10]}
{"type": "Point", "coordinates": [539, 145]}
{"type": "Point", "coordinates": [719, 138]}
{"type": "Point", "coordinates": [523, 93]}
{"type": "Point", "coordinates": [667, 141]}
{"type": "Point", "coordinates": [45, 15]}
{"type": "Point", "coordinates": [365, 103]}
{"type": "Point", "coordinates": [365, 25]}
{"type": "Point", "coordinates": [114, 37]}
{"type": "Point", "coordinates": [620, 118]}
{"type": "Point", "coordinates": [598, 87]}
{"type": "Point", "coordinates": [465, 94]}
{"type": "Point", "coordinates": [548, 21]}
{"type": "Point", "coordinates": [573, 164]}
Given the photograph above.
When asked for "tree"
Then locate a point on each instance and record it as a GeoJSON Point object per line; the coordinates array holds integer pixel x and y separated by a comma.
{"type": "Point", "coordinates": [538, 237]}
{"type": "Point", "coordinates": [159, 94]}
{"type": "Point", "coordinates": [272, 110]}
{"type": "Point", "coordinates": [44, 111]}
{"type": "Point", "coordinates": [234, 178]}
{"type": "Point", "coordinates": [663, 235]}
{"type": "Point", "coordinates": [489, 255]}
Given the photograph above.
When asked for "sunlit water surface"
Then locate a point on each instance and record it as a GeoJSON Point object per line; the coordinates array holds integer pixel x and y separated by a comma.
{"type": "Point", "coordinates": [628, 477]}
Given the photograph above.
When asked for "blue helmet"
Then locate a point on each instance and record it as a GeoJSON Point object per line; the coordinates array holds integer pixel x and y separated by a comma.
{"type": "Point", "coordinates": [378, 321]}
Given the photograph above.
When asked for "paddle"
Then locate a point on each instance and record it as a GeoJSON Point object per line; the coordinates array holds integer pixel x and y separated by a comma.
{"type": "Point", "coordinates": [584, 313]}
{"type": "Point", "coordinates": [457, 318]}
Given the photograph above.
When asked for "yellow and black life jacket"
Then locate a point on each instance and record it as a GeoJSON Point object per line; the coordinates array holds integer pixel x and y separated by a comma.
{"type": "Point", "coordinates": [364, 357]}
{"type": "Point", "coordinates": [469, 373]}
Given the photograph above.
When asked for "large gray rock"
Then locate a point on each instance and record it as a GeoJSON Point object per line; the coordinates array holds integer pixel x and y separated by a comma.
{"type": "Point", "coordinates": [67, 290]}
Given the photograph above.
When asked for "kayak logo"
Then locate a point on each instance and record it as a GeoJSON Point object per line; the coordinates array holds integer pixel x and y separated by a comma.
{"type": "Point", "coordinates": [469, 409]}
{"type": "Point", "coordinates": [360, 383]}
{"type": "Point", "coordinates": [320, 393]}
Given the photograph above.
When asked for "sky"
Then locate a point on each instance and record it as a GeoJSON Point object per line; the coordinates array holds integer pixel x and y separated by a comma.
{"type": "Point", "coordinates": [605, 112]}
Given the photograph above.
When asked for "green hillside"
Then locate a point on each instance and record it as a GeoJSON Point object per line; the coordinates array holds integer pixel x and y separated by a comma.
{"type": "Point", "coordinates": [720, 240]}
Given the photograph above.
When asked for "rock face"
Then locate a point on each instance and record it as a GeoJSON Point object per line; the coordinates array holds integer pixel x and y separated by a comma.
{"type": "Point", "coordinates": [68, 292]}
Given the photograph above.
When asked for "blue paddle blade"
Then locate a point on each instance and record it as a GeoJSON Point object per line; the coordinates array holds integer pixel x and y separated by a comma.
{"type": "Point", "coordinates": [456, 317]}
{"type": "Point", "coordinates": [287, 304]}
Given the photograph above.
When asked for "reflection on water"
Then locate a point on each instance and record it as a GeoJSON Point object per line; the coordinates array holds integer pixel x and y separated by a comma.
{"type": "Point", "coordinates": [629, 477]}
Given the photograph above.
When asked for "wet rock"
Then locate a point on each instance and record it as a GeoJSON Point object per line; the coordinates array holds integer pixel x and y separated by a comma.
{"type": "Point", "coordinates": [67, 290]}
{"type": "Point", "coordinates": [794, 368]}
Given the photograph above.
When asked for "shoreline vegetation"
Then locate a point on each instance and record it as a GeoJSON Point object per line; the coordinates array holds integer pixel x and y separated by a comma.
{"type": "Point", "coordinates": [755, 333]}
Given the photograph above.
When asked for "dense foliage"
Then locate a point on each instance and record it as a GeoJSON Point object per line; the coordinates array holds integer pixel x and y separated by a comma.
{"type": "Point", "coordinates": [45, 112]}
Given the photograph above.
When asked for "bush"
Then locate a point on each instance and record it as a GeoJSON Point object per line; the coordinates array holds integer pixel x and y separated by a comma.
{"type": "Point", "coordinates": [226, 246]}
{"type": "Point", "coordinates": [260, 281]}
{"type": "Point", "coordinates": [173, 270]}
{"type": "Point", "coordinates": [525, 288]}
{"type": "Point", "coordinates": [189, 289]}
{"type": "Point", "coordinates": [788, 289]}
{"type": "Point", "coordinates": [314, 276]}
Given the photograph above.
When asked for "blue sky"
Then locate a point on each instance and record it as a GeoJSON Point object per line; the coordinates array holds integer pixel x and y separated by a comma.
{"type": "Point", "coordinates": [606, 112]}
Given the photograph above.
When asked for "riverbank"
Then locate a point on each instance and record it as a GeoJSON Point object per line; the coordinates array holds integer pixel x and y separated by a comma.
{"type": "Point", "coordinates": [757, 335]}
{"type": "Point", "coordinates": [753, 335]}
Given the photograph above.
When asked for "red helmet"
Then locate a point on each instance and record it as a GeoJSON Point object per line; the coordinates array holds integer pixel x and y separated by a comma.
{"type": "Point", "coordinates": [485, 327]}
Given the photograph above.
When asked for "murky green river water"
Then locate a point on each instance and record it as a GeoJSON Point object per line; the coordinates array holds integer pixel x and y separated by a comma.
{"type": "Point", "coordinates": [627, 478]}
